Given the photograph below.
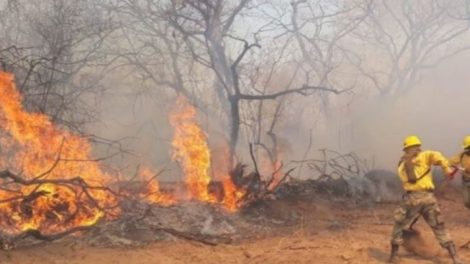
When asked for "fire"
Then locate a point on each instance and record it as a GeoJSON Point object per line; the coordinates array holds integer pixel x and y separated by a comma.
{"type": "Point", "coordinates": [31, 146]}
{"type": "Point", "coordinates": [232, 195]}
{"type": "Point", "coordinates": [277, 175]}
{"type": "Point", "coordinates": [153, 193]}
{"type": "Point", "coordinates": [56, 185]}
{"type": "Point", "coordinates": [192, 151]}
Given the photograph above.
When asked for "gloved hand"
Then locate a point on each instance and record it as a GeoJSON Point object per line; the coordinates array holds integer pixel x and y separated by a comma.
{"type": "Point", "coordinates": [454, 172]}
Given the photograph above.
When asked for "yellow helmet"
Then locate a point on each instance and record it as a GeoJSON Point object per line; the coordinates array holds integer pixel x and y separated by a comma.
{"type": "Point", "coordinates": [412, 141]}
{"type": "Point", "coordinates": [466, 142]}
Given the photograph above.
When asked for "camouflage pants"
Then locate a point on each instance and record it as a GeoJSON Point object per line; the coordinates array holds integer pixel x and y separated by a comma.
{"type": "Point", "coordinates": [417, 204]}
{"type": "Point", "coordinates": [466, 190]}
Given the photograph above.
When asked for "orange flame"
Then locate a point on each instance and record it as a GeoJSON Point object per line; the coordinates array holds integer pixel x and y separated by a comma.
{"type": "Point", "coordinates": [192, 151]}
{"type": "Point", "coordinates": [32, 145]}
{"type": "Point", "coordinates": [232, 195]}
{"type": "Point", "coordinates": [221, 164]}
{"type": "Point", "coordinates": [153, 193]}
{"type": "Point", "coordinates": [277, 175]}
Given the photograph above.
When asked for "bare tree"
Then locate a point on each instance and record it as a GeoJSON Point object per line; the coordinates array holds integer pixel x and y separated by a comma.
{"type": "Point", "coordinates": [321, 30]}
{"type": "Point", "coordinates": [203, 32]}
{"type": "Point", "coordinates": [311, 38]}
{"type": "Point", "coordinates": [400, 40]}
{"type": "Point", "coordinates": [52, 47]}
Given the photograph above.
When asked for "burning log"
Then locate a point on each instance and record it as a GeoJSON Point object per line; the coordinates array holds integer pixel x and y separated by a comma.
{"type": "Point", "coordinates": [49, 196]}
{"type": "Point", "coordinates": [76, 182]}
{"type": "Point", "coordinates": [57, 215]}
{"type": "Point", "coordinates": [216, 189]}
{"type": "Point", "coordinates": [256, 188]}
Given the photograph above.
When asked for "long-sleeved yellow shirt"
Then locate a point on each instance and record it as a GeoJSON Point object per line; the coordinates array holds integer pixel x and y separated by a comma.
{"type": "Point", "coordinates": [422, 167]}
{"type": "Point", "coordinates": [463, 161]}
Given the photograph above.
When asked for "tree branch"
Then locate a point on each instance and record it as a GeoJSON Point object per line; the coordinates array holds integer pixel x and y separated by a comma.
{"type": "Point", "coordinates": [303, 91]}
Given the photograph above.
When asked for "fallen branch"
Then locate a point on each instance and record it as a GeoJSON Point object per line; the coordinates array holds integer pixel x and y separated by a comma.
{"type": "Point", "coordinates": [466, 245]}
{"type": "Point", "coordinates": [84, 201]}
{"type": "Point", "coordinates": [287, 174]}
{"type": "Point", "coordinates": [75, 181]}
{"type": "Point", "coordinates": [28, 198]}
{"type": "Point", "coordinates": [188, 236]}
{"type": "Point", "coordinates": [8, 242]}
{"type": "Point", "coordinates": [273, 176]}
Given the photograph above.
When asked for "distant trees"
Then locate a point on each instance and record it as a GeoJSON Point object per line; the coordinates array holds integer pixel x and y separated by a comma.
{"type": "Point", "coordinates": [402, 39]}
{"type": "Point", "coordinates": [53, 47]}
{"type": "Point", "coordinates": [240, 62]}
{"type": "Point", "coordinates": [190, 37]}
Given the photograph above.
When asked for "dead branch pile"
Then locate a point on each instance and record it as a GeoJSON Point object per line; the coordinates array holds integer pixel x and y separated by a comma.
{"type": "Point", "coordinates": [59, 214]}
{"type": "Point", "coordinates": [336, 165]}
{"type": "Point", "coordinates": [10, 180]}
{"type": "Point", "coordinates": [141, 223]}
{"type": "Point", "coordinates": [257, 188]}
{"type": "Point", "coordinates": [337, 175]}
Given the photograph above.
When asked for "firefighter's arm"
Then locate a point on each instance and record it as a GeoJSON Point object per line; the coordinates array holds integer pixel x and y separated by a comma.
{"type": "Point", "coordinates": [465, 163]}
{"type": "Point", "coordinates": [436, 158]}
{"type": "Point", "coordinates": [455, 160]}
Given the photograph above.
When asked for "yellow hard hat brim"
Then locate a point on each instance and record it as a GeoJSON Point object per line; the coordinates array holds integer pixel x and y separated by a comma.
{"type": "Point", "coordinates": [414, 145]}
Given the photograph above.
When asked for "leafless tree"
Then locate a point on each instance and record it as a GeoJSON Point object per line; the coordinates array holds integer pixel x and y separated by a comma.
{"type": "Point", "coordinates": [52, 48]}
{"type": "Point", "coordinates": [203, 32]}
{"type": "Point", "coordinates": [400, 40]}
{"type": "Point", "coordinates": [311, 38]}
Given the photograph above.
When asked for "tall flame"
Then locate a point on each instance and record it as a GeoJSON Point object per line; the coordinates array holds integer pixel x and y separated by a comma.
{"type": "Point", "coordinates": [51, 159]}
{"type": "Point", "coordinates": [192, 151]}
{"type": "Point", "coordinates": [33, 147]}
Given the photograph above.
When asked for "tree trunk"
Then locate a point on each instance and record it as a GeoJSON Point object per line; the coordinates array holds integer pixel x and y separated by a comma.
{"type": "Point", "coordinates": [234, 123]}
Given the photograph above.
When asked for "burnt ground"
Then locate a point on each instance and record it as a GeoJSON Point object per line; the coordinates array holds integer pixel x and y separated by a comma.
{"type": "Point", "coordinates": [317, 229]}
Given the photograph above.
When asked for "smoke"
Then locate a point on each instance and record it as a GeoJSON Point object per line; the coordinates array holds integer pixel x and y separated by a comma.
{"type": "Point", "coordinates": [136, 119]}
{"type": "Point", "coordinates": [434, 110]}
{"type": "Point", "coordinates": [366, 123]}
{"type": "Point", "coordinates": [361, 121]}
{"type": "Point", "coordinates": [373, 126]}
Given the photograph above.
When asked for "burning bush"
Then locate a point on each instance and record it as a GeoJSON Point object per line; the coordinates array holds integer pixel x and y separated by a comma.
{"type": "Point", "coordinates": [51, 183]}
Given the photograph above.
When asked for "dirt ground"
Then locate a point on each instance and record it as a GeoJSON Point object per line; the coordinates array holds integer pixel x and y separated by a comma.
{"type": "Point", "coordinates": [328, 233]}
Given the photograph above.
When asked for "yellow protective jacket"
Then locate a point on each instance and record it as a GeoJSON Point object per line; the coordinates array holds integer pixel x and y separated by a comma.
{"type": "Point", "coordinates": [423, 163]}
{"type": "Point", "coordinates": [463, 161]}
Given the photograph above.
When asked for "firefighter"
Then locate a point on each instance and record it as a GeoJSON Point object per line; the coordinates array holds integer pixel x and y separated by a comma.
{"type": "Point", "coordinates": [463, 161]}
{"type": "Point", "coordinates": [414, 171]}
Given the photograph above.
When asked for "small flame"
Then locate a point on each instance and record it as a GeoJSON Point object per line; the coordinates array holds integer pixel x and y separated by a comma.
{"type": "Point", "coordinates": [153, 193]}
{"type": "Point", "coordinates": [232, 195]}
{"type": "Point", "coordinates": [277, 175]}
